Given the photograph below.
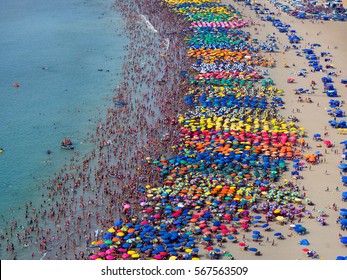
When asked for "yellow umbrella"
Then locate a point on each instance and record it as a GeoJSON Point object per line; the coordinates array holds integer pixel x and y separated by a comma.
{"type": "Point", "coordinates": [188, 250]}
{"type": "Point", "coordinates": [135, 256]}
{"type": "Point", "coordinates": [120, 234]}
{"type": "Point", "coordinates": [280, 218]}
{"type": "Point", "coordinates": [111, 230]}
{"type": "Point", "coordinates": [131, 252]}
{"type": "Point", "coordinates": [172, 258]}
{"type": "Point", "coordinates": [195, 259]}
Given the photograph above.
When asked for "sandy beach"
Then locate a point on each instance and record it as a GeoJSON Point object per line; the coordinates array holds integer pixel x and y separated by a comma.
{"type": "Point", "coordinates": [314, 118]}
{"type": "Point", "coordinates": [146, 181]}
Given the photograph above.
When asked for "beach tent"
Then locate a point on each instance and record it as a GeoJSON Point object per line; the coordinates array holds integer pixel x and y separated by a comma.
{"type": "Point", "coordinates": [307, 51]}
{"type": "Point", "coordinates": [304, 242]}
{"type": "Point", "coordinates": [327, 80]}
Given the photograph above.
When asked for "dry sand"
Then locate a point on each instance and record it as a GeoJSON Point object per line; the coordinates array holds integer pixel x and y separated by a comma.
{"type": "Point", "coordinates": [323, 239]}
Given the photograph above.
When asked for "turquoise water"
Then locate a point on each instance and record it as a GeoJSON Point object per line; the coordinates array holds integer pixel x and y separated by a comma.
{"type": "Point", "coordinates": [53, 50]}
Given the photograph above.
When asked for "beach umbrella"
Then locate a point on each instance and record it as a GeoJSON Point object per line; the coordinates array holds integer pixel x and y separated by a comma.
{"type": "Point", "coordinates": [93, 257]}
{"type": "Point", "coordinates": [253, 249]}
{"type": "Point", "coordinates": [242, 244]}
{"type": "Point", "coordinates": [125, 256]}
{"type": "Point", "coordinates": [277, 234]}
{"type": "Point", "coordinates": [265, 225]}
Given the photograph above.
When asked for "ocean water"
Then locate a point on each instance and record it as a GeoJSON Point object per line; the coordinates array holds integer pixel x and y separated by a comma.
{"type": "Point", "coordinates": [55, 51]}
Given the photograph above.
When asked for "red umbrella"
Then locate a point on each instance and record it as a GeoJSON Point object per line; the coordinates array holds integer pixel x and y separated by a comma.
{"type": "Point", "coordinates": [305, 249]}
{"type": "Point", "coordinates": [242, 244]}
{"type": "Point", "coordinates": [244, 226]}
{"type": "Point", "coordinates": [222, 226]}
{"type": "Point", "coordinates": [232, 229]}
{"type": "Point", "coordinates": [209, 248]}
{"type": "Point", "coordinates": [227, 217]}
{"type": "Point", "coordinates": [213, 228]}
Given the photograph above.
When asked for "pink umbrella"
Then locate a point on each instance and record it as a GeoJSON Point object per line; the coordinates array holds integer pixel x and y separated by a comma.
{"type": "Point", "coordinates": [158, 257]}
{"type": "Point", "coordinates": [101, 254]}
{"type": "Point", "coordinates": [109, 251]}
{"type": "Point", "coordinates": [148, 210]}
{"type": "Point", "coordinates": [143, 223]}
{"type": "Point", "coordinates": [224, 231]}
{"type": "Point", "coordinates": [125, 256]}
{"type": "Point", "coordinates": [222, 226]}
{"type": "Point", "coordinates": [93, 257]}
{"type": "Point", "coordinates": [122, 250]}
{"type": "Point", "coordinates": [156, 216]}
{"type": "Point", "coordinates": [126, 206]}
{"type": "Point", "coordinates": [244, 226]}
{"type": "Point", "coordinates": [109, 257]}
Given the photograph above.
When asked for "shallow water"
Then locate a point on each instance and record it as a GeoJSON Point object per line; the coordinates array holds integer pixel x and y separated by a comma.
{"type": "Point", "coordinates": [55, 52]}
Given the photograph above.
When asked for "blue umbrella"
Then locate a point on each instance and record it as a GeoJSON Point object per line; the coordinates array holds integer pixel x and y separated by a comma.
{"type": "Point", "coordinates": [343, 222]}
{"type": "Point", "coordinates": [230, 237]}
{"type": "Point", "coordinates": [253, 249]}
{"type": "Point", "coordinates": [277, 234]}
{"type": "Point", "coordinates": [256, 232]}
{"type": "Point", "coordinates": [257, 217]}
{"type": "Point", "coordinates": [343, 240]}
{"type": "Point", "coordinates": [343, 166]}
{"type": "Point", "coordinates": [265, 225]}
{"type": "Point", "coordinates": [340, 258]}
